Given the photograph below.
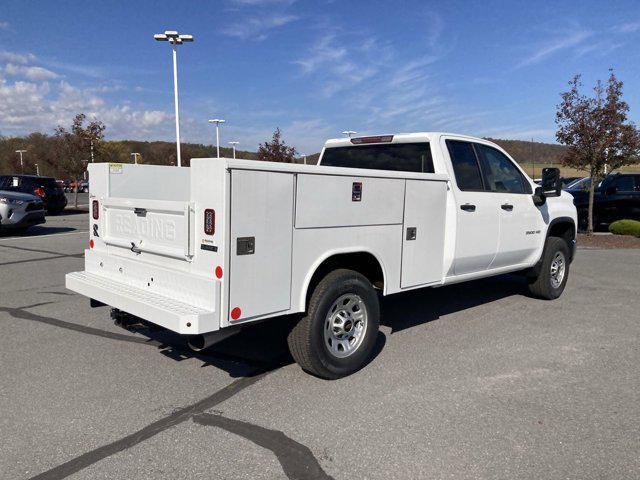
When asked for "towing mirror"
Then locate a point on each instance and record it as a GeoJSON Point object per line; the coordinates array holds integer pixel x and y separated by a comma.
{"type": "Point", "coordinates": [551, 183]}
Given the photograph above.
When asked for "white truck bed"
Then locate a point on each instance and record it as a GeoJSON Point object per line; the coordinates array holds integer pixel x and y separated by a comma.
{"type": "Point", "coordinates": [275, 224]}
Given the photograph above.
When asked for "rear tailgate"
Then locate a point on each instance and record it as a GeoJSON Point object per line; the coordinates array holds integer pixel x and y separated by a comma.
{"type": "Point", "coordinates": [160, 227]}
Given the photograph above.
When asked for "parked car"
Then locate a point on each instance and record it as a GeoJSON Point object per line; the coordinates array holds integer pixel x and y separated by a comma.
{"type": "Point", "coordinates": [83, 186]}
{"type": "Point", "coordinates": [616, 197]}
{"type": "Point", "coordinates": [46, 188]}
{"type": "Point", "coordinates": [226, 243]}
{"type": "Point", "coordinates": [19, 211]}
{"type": "Point", "coordinates": [566, 181]}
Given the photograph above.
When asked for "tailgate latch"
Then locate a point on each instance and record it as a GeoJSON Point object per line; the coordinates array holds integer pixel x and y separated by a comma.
{"type": "Point", "coordinates": [141, 212]}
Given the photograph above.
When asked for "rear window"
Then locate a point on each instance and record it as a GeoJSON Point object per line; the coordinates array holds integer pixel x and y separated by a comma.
{"type": "Point", "coordinates": [403, 157]}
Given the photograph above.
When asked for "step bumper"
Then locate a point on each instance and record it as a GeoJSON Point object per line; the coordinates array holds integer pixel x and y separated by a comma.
{"type": "Point", "coordinates": [161, 310]}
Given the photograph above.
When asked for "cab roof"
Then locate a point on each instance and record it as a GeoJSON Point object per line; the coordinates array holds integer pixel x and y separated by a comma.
{"type": "Point", "coordinates": [391, 138]}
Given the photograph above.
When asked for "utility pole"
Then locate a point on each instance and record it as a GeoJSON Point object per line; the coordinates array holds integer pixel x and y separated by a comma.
{"type": "Point", "coordinates": [37, 170]}
{"type": "Point", "coordinates": [92, 150]}
{"type": "Point", "coordinates": [233, 145]}
{"type": "Point", "coordinates": [21, 163]}
{"type": "Point", "coordinates": [175, 39]}
{"type": "Point", "coordinates": [135, 157]}
{"type": "Point", "coordinates": [217, 121]}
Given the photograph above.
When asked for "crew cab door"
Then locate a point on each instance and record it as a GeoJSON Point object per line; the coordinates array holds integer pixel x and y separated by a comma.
{"type": "Point", "coordinates": [477, 211]}
{"type": "Point", "coordinates": [520, 220]}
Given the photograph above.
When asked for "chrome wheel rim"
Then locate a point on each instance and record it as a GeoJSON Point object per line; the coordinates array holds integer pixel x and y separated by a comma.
{"type": "Point", "coordinates": [558, 268]}
{"type": "Point", "coordinates": [345, 325]}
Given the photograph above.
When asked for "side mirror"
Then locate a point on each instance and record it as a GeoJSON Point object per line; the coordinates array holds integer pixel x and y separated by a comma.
{"type": "Point", "coordinates": [539, 198]}
{"type": "Point", "coordinates": [551, 183]}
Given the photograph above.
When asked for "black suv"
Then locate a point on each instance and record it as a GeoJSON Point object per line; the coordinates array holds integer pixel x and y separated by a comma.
{"type": "Point", "coordinates": [46, 188]}
{"type": "Point", "coordinates": [617, 197]}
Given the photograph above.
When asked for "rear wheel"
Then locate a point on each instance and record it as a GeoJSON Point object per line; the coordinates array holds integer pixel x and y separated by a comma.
{"type": "Point", "coordinates": [554, 272]}
{"type": "Point", "coordinates": [337, 336]}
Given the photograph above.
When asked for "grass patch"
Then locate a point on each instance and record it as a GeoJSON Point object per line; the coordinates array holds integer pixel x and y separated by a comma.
{"type": "Point", "coordinates": [625, 227]}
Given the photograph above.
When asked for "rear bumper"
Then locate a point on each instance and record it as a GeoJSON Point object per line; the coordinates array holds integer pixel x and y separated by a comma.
{"type": "Point", "coordinates": [167, 312]}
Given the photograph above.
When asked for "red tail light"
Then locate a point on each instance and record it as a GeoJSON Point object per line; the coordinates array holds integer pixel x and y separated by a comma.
{"type": "Point", "coordinates": [95, 209]}
{"type": "Point", "coordinates": [209, 221]}
{"type": "Point", "coordinates": [39, 191]}
{"type": "Point", "coordinates": [376, 139]}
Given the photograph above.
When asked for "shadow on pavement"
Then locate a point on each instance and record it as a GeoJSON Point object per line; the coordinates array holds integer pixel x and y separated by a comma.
{"type": "Point", "coordinates": [406, 310]}
{"type": "Point", "coordinates": [265, 344]}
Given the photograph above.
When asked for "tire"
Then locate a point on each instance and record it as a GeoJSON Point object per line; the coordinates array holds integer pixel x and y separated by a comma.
{"type": "Point", "coordinates": [549, 284]}
{"type": "Point", "coordinates": [338, 334]}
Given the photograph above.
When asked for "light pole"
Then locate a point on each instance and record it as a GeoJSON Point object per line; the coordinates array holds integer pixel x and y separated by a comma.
{"type": "Point", "coordinates": [217, 121]}
{"type": "Point", "coordinates": [37, 170]}
{"type": "Point", "coordinates": [21, 164]}
{"type": "Point", "coordinates": [349, 133]}
{"type": "Point", "coordinates": [175, 39]}
{"type": "Point", "coordinates": [135, 157]}
{"type": "Point", "coordinates": [233, 145]}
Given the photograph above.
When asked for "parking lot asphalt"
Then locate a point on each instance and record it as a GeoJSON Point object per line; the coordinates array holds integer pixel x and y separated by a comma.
{"type": "Point", "coordinates": [471, 381]}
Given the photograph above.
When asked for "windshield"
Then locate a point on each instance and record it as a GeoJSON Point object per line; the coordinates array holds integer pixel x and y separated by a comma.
{"type": "Point", "coordinates": [582, 184]}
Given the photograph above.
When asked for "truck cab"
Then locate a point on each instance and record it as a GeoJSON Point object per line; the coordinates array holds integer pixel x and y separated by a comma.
{"type": "Point", "coordinates": [493, 223]}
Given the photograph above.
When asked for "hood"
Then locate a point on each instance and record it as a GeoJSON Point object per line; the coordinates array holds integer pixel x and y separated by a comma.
{"type": "Point", "coordinates": [25, 197]}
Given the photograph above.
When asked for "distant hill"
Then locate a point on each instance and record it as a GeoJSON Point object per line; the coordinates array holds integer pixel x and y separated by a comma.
{"type": "Point", "coordinates": [41, 149]}
{"type": "Point", "coordinates": [525, 152]}
{"type": "Point", "coordinates": [521, 150]}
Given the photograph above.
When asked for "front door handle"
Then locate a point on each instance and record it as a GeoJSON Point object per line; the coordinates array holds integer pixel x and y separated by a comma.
{"type": "Point", "coordinates": [467, 207]}
{"type": "Point", "coordinates": [506, 206]}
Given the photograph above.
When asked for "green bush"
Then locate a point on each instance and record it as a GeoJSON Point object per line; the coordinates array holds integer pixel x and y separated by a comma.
{"type": "Point", "coordinates": [625, 227]}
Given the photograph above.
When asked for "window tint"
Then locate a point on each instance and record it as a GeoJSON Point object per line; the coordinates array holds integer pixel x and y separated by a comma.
{"type": "Point", "coordinates": [405, 157]}
{"type": "Point", "coordinates": [465, 165]}
{"type": "Point", "coordinates": [500, 174]}
{"type": "Point", "coordinates": [625, 183]}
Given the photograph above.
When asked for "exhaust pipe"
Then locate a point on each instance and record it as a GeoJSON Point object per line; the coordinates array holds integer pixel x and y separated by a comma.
{"type": "Point", "coordinates": [197, 343]}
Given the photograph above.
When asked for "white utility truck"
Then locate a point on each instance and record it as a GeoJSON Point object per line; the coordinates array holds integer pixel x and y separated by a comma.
{"type": "Point", "coordinates": [205, 250]}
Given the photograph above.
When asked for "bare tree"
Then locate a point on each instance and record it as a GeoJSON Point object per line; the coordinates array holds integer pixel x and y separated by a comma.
{"type": "Point", "coordinates": [276, 150]}
{"type": "Point", "coordinates": [75, 146]}
{"type": "Point", "coordinates": [596, 131]}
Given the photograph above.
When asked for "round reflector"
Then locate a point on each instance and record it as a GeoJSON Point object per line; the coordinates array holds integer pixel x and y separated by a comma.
{"type": "Point", "coordinates": [219, 272]}
{"type": "Point", "coordinates": [235, 313]}
{"type": "Point", "coordinates": [91, 243]}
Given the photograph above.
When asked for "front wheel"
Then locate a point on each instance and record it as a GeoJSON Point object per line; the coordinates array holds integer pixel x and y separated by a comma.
{"type": "Point", "coordinates": [338, 334]}
{"type": "Point", "coordinates": [554, 272]}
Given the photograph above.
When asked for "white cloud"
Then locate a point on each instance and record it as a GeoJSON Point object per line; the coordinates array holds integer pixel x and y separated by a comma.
{"type": "Point", "coordinates": [569, 40]}
{"type": "Point", "coordinates": [629, 27]}
{"type": "Point", "coordinates": [41, 106]}
{"type": "Point", "coordinates": [21, 58]}
{"type": "Point", "coordinates": [4, 25]}
{"type": "Point", "coordinates": [29, 72]}
{"type": "Point", "coordinates": [258, 27]}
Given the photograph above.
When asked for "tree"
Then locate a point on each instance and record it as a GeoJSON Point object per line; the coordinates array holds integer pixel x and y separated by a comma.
{"type": "Point", "coordinates": [596, 131]}
{"type": "Point", "coordinates": [75, 146]}
{"type": "Point", "coordinates": [276, 150]}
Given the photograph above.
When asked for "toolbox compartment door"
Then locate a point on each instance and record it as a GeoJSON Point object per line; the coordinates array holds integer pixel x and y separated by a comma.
{"type": "Point", "coordinates": [261, 242]}
{"type": "Point", "coordinates": [423, 232]}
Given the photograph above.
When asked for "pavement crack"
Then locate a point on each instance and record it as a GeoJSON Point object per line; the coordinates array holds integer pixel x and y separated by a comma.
{"type": "Point", "coordinates": [89, 458]}
{"type": "Point", "coordinates": [297, 460]}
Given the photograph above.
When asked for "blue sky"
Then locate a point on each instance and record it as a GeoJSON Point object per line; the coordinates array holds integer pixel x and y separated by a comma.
{"type": "Point", "coordinates": [313, 68]}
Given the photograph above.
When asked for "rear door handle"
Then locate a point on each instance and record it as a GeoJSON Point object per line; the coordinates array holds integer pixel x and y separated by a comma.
{"type": "Point", "coordinates": [506, 206]}
{"type": "Point", "coordinates": [467, 207]}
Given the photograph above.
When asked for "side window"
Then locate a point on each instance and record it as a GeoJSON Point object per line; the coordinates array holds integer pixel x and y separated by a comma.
{"type": "Point", "coordinates": [500, 174]}
{"type": "Point", "coordinates": [465, 165]}
{"type": "Point", "coordinates": [625, 183]}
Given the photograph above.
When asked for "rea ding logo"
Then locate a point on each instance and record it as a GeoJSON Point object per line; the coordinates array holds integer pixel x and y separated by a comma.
{"type": "Point", "coordinates": [356, 192]}
{"type": "Point", "coordinates": [145, 227]}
